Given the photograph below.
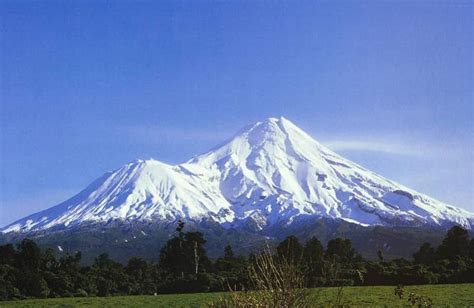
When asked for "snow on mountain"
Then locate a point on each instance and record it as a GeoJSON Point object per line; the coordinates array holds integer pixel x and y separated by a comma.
{"type": "Point", "coordinates": [144, 190]}
{"type": "Point", "coordinates": [271, 172]}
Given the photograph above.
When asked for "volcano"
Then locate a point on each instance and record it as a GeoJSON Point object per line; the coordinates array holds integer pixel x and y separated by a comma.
{"type": "Point", "coordinates": [269, 174]}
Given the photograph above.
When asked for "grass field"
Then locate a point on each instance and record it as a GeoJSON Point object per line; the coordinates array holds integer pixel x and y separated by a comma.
{"type": "Point", "coordinates": [461, 295]}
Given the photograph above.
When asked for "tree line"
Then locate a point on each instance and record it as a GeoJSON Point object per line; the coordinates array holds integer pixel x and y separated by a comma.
{"type": "Point", "coordinates": [27, 271]}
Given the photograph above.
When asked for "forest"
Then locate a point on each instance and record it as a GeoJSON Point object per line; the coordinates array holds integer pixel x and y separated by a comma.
{"type": "Point", "coordinates": [28, 271]}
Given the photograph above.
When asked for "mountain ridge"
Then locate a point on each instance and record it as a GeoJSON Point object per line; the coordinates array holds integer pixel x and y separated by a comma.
{"type": "Point", "coordinates": [269, 173]}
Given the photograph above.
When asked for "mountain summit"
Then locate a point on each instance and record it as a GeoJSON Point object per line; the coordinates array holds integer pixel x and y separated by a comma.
{"type": "Point", "coordinates": [271, 173]}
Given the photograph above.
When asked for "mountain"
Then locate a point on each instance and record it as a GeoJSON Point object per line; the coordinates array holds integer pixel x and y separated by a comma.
{"type": "Point", "coordinates": [271, 175]}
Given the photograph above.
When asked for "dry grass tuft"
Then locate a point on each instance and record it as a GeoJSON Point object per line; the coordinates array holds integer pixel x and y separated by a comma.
{"type": "Point", "coordinates": [277, 283]}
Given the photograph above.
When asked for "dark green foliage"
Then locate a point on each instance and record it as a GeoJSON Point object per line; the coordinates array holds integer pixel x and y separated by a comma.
{"type": "Point", "coordinates": [399, 291]}
{"type": "Point", "coordinates": [456, 243]}
{"type": "Point", "coordinates": [228, 253]}
{"type": "Point", "coordinates": [9, 276]}
{"type": "Point", "coordinates": [110, 276]}
{"type": "Point", "coordinates": [471, 249]}
{"type": "Point", "coordinates": [228, 262]}
{"type": "Point", "coordinates": [29, 255]}
{"type": "Point", "coordinates": [380, 255]}
{"type": "Point", "coordinates": [342, 251]}
{"type": "Point", "coordinates": [123, 240]}
{"type": "Point", "coordinates": [313, 251]}
{"type": "Point", "coordinates": [8, 254]}
{"type": "Point", "coordinates": [313, 257]}
{"type": "Point", "coordinates": [290, 249]}
{"type": "Point", "coordinates": [342, 265]}
{"type": "Point", "coordinates": [141, 275]}
{"type": "Point", "coordinates": [449, 263]}
{"type": "Point", "coordinates": [232, 270]}
{"type": "Point", "coordinates": [185, 254]}
{"type": "Point", "coordinates": [28, 271]}
{"type": "Point", "coordinates": [425, 255]}
{"type": "Point", "coordinates": [420, 300]}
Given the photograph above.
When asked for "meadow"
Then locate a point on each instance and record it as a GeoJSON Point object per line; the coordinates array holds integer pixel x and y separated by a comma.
{"type": "Point", "coordinates": [455, 295]}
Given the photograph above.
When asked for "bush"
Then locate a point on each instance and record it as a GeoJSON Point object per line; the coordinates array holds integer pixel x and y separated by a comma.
{"type": "Point", "coordinates": [277, 282]}
{"type": "Point", "coordinates": [420, 300]}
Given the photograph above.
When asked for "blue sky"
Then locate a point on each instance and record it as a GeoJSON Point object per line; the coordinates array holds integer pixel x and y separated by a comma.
{"type": "Point", "coordinates": [87, 86]}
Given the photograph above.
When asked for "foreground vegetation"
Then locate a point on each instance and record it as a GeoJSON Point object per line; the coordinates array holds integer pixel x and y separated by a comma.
{"type": "Point", "coordinates": [461, 295]}
{"type": "Point", "coordinates": [27, 272]}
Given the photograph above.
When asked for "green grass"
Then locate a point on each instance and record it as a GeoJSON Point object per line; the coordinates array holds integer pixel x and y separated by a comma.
{"type": "Point", "coordinates": [461, 295]}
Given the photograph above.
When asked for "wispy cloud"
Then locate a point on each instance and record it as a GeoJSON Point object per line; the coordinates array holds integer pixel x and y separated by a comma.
{"type": "Point", "coordinates": [370, 146]}
{"type": "Point", "coordinates": [394, 146]}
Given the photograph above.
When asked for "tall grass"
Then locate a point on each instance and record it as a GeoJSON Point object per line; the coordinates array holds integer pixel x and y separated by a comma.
{"type": "Point", "coordinates": [274, 282]}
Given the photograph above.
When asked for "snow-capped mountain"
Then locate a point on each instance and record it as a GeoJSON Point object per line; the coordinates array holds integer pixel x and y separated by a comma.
{"type": "Point", "coordinates": [270, 173]}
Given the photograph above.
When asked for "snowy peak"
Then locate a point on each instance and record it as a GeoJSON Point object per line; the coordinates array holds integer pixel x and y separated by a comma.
{"type": "Point", "coordinates": [141, 190]}
{"type": "Point", "coordinates": [270, 173]}
{"type": "Point", "coordinates": [265, 143]}
{"type": "Point", "coordinates": [271, 131]}
{"type": "Point", "coordinates": [278, 133]}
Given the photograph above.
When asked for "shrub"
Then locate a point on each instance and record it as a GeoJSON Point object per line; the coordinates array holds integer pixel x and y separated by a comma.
{"type": "Point", "coordinates": [399, 291]}
{"type": "Point", "coordinates": [419, 300]}
{"type": "Point", "coordinates": [277, 283]}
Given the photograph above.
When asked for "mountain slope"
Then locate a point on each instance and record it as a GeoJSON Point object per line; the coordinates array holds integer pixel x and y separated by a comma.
{"type": "Point", "coordinates": [141, 190]}
{"type": "Point", "coordinates": [271, 173]}
{"type": "Point", "coordinates": [274, 172]}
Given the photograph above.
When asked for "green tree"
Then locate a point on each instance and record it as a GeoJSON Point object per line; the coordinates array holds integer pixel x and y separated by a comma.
{"type": "Point", "coordinates": [104, 286]}
{"type": "Point", "coordinates": [228, 253]}
{"type": "Point", "coordinates": [185, 255]}
{"type": "Point", "coordinates": [425, 255]}
{"type": "Point", "coordinates": [471, 249]}
{"type": "Point", "coordinates": [290, 249]}
{"type": "Point", "coordinates": [456, 243]}
{"type": "Point", "coordinates": [226, 263]}
{"type": "Point", "coordinates": [342, 251]}
{"type": "Point", "coordinates": [33, 284]}
{"type": "Point", "coordinates": [48, 260]}
{"type": "Point", "coordinates": [7, 254]}
{"type": "Point", "coordinates": [110, 276]}
{"type": "Point", "coordinates": [140, 275]}
{"type": "Point", "coordinates": [8, 280]}
{"type": "Point", "coordinates": [380, 255]}
{"type": "Point", "coordinates": [29, 255]}
{"type": "Point", "coordinates": [313, 251]}
{"type": "Point", "coordinates": [313, 254]}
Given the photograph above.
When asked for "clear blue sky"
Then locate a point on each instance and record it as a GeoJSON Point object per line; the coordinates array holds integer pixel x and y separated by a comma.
{"type": "Point", "coordinates": [87, 86]}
